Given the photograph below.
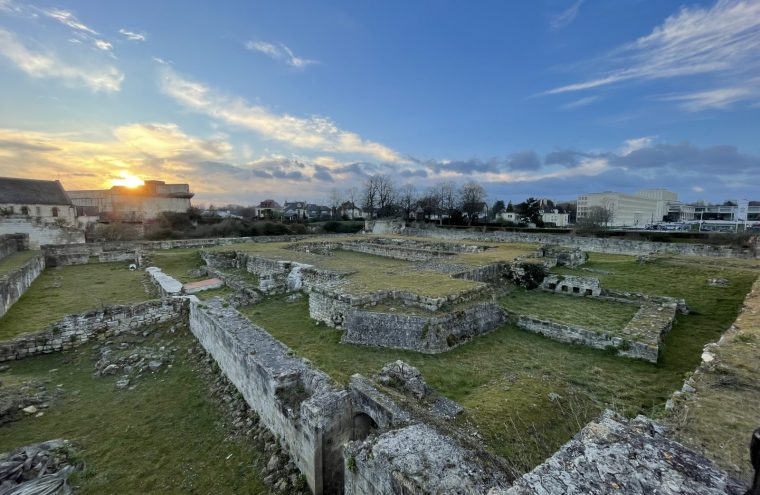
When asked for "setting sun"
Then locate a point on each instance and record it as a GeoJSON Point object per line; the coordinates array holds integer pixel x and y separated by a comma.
{"type": "Point", "coordinates": [127, 180]}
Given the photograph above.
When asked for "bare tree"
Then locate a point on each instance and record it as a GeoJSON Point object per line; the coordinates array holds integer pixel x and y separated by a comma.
{"type": "Point", "coordinates": [448, 198]}
{"type": "Point", "coordinates": [472, 198]}
{"type": "Point", "coordinates": [370, 193]}
{"type": "Point", "coordinates": [407, 199]}
{"type": "Point", "coordinates": [334, 201]}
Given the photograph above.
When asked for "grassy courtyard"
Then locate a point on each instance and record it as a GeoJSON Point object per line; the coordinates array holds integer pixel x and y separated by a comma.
{"type": "Point", "coordinates": [15, 260]}
{"type": "Point", "coordinates": [592, 314]}
{"type": "Point", "coordinates": [178, 263]}
{"type": "Point", "coordinates": [60, 291]}
{"type": "Point", "coordinates": [165, 436]}
{"type": "Point", "coordinates": [504, 378]}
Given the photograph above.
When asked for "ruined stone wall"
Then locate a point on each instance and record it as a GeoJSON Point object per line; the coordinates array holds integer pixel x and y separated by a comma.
{"type": "Point", "coordinates": [167, 286]}
{"type": "Point", "coordinates": [327, 309]}
{"type": "Point", "coordinates": [593, 244]}
{"type": "Point", "coordinates": [578, 335]}
{"type": "Point", "coordinates": [41, 233]}
{"type": "Point", "coordinates": [490, 274]}
{"type": "Point", "coordinates": [12, 243]}
{"type": "Point", "coordinates": [297, 402]}
{"type": "Point", "coordinates": [77, 329]}
{"type": "Point", "coordinates": [58, 255]}
{"type": "Point", "coordinates": [14, 283]}
{"type": "Point", "coordinates": [428, 334]}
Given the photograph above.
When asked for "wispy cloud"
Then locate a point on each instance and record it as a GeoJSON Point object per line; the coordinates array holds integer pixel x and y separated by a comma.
{"type": "Point", "coordinates": [315, 133]}
{"type": "Point", "coordinates": [131, 35]}
{"type": "Point", "coordinates": [48, 66]}
{"type": "Point", "coordinates": [68, 19]}
{"type": "Point", "coordinates": [720, 98]}
{"type": "Point", "coordinates": [103, 45]}
{"type": "Point", "coordinates": [722, 40]}
{"type": "Point", "coordinates": [581, 102]}
{"type": "Point", "coordinates": [279, 51]}
{"type": "Point", "coordinates": [566, 16]}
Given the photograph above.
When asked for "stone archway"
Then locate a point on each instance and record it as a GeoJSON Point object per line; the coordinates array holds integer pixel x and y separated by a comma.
{"type": "Point", "coordinates": [362, 426]}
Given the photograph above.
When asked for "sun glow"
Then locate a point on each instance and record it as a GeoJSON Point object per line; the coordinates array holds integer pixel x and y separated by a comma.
{"type": "Point", "coordinates": [127, 180]}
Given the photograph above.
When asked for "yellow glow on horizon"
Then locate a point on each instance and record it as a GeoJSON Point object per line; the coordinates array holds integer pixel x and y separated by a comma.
{"type": "Point", "coordinates": [127, 180]}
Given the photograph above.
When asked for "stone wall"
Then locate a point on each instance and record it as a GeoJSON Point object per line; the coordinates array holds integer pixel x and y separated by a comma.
{"type": "Point", "coordinates": [167, 286]}
{"type": "Point", "coordinates": [58, 255]}
{"type": "Point", "coordinates": [569, 284]}
{"type": "Point", "coordinates": [41, 233]}
{"type": "Point", "coordinates": [77, 329]}
{"type": "Point", "coordinates": [593, 244]}
{"type": "Point", "coordinates": [14, 283]}
{"type": "Point", "coordinates": [634, 345]}
{"type": "Point", "coordinates": [297, 402]}
{"type": "Point", "coordinates": [428, 334]}
{"type": "Point", "coordinates": [12, 243]}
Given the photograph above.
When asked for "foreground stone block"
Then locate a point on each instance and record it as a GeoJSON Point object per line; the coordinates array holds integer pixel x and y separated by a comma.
{"type": "Point", "coordinates": [617, 455]}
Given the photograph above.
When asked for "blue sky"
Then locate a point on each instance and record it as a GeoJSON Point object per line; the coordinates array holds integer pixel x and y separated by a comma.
{"type": "Point", "coordinates": [290, 100]}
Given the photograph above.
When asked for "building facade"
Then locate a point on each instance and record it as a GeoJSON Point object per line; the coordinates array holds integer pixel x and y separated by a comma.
{"type": "Point", "coordinates": [134, 204]}
{"type": "Point", "coordinates": [40, 209]}
{"type": "Point", "coordinates": [555, 217]}
{"type": "Point", "coordinates": [625, 210]}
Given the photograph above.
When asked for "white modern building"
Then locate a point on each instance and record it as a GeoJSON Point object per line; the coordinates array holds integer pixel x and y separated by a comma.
{"type": "Point", "coordinates": [556, 218]}
{"type": "Point", "coordinates": [625, 210]}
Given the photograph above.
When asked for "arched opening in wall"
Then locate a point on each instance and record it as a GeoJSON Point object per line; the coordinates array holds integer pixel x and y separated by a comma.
{"type": "Point", "coordinates": [362, 427]}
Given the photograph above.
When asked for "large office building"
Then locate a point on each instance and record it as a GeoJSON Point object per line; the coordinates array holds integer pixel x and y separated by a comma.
{"type": "Point", "coordinates": [628, 210]}
{"type": "Point", "coordinates": [133, 204]}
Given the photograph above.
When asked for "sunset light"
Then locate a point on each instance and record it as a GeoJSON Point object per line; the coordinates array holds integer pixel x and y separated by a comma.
{"type": "Point", "coordinates": [127, 180]}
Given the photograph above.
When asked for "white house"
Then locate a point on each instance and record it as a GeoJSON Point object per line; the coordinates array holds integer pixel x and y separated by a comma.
{"type": "Point", "coordinates": [555, 217]}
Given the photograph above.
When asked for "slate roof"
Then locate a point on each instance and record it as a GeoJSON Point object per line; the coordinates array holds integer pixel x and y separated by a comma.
{"type": "Point", "coordinates": [32, 191]}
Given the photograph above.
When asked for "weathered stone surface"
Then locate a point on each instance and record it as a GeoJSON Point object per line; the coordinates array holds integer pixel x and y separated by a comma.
{"type": "Point", "coordinates": [416, 459]}
{"type": "Point", "coordinates": [167, 286]}
{"type": "Point", "coordinates": [568, 284]}
{"type": "Point", "coordinates": [405, 377]}
{"type": "Point", "coordinates": [617, 455]}
{"type": "Point", "coordinates": [717, 282]}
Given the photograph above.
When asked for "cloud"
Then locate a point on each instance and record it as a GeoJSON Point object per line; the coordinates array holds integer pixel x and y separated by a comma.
{"type": "Point", "coordinates": [314, 133]}
{"type": "Point", "coordinates": [38, 65]}
{"type": "Point", "coordinates": [721, 41]}
{"type": "Point", "coordinates": [687, 158]}
{"type": "Point", "coordinates": [581, 102]}
{"type": "Point", "coordinates": [720, 99]}
{"type": "Point", "coordinates": [634, 144]}
{"type": "Point", "coordinates": [279, 52]}
{"type": "Point", "coordinates": [566, 16]}
{"type": "Point", "coordinates": [103, 45]}
{"type": "Point", "coordinates": [131, 35]}
{"type": "Point", "coordinates": [68, 19]}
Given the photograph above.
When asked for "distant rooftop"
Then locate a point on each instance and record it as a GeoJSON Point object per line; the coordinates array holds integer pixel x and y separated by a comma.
{"type": "Point", "coordinates": [32, 191]}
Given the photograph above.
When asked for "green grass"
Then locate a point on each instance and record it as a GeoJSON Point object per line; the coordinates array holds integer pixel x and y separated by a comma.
{"type": "Point", "coordinates": [372, 273]}
{"type": "Point", "coordinates": [165, 436]}
{"type": "Point", "coordinates": [60, 291]}
{"type": "Point", "coordinates": [178, 262]}
{"type": "Point", "coordinates": [503, 379]}
{"type": "Point", "coordinates": [593, 314]}
{"type": "Point", "coordinates": [15, 260]}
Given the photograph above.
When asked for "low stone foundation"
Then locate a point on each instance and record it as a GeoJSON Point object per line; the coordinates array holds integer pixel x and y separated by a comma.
{"type": "Point", "coordinates": [16, 282]}
{"type": "Point", "coordinates": [74, 330]}
{"type": "Point", "coordinates": [427, 334]}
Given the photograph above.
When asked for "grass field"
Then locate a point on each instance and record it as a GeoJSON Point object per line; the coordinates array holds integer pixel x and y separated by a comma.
{"type": "Point", "coordinates": [504, 378]}
{"type": "Point", "coordinates": [178, 262]}
{"type": "Point", "coordinates": [15, 260]}
{"type": "Point", "coordinates": [60, 291]}
{"type": "Point", "coordinates": [165, 436]}
{"type": "Point", "coordinates": [592, 314]}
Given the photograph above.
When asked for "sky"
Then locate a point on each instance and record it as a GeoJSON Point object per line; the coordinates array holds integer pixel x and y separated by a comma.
{"type": "Point", "coordinates": [291, 100]}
